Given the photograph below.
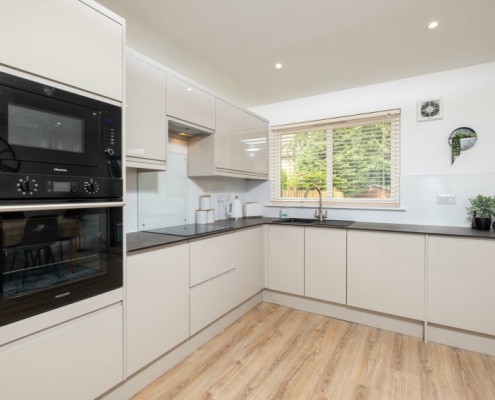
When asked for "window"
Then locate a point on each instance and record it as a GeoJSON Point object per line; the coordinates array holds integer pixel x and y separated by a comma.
{"type": "Point", "coordinates": [354, 161]}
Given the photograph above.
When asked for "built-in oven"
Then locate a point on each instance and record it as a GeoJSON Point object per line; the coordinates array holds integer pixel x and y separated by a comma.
{"type": "Point", "coordinates": [61, 198]}
{"type": "Point", "coordinates": [50, 258]}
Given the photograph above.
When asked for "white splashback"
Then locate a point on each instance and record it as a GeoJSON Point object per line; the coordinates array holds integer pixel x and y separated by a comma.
{"type": "Point", "coordinates": [163, 196]}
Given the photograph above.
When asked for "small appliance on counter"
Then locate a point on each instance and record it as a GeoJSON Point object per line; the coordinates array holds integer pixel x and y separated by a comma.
{"type": "Point", "coordinates": [252, 210]}
{"type": "Point", "coordinates": [234, 208]}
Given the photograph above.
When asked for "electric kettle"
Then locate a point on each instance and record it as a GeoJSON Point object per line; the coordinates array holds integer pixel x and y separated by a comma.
{"type": "Point", "coordinates": [234, 208]}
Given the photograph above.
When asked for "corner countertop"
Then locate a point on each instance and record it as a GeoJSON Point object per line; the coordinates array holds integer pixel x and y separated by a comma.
{"type": "Point", "coordinates": [144, 240]}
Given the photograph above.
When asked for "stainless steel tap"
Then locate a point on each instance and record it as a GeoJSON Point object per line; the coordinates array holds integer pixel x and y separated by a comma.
{"type": "Point", "coordinates": [318, 213]}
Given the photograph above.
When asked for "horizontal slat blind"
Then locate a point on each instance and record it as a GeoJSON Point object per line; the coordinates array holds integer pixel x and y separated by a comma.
{"type": "Point", "coordinates": [353, 160]}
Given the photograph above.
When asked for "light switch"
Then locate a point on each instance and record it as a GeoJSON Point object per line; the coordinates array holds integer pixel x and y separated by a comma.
{"type": "Point", "coordinates": [446, 199]}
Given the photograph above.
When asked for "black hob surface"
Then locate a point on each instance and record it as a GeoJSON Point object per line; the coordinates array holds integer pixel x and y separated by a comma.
{"type": "Point", "coordinates": [190, 230]}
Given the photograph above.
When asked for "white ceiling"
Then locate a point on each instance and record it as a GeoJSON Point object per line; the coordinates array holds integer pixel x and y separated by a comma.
{"type": "Point", "coordinates": [231, 46]}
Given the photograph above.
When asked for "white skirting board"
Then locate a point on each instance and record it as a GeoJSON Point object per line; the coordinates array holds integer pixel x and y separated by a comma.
{"type": "Point", "coordinates": [153, 371]}
{"type": "Point", "coordinates": [435, 333]}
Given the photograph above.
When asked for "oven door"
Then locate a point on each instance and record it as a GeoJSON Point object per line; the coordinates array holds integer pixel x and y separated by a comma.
{"type": "Point", "coordinates": [38, 128]}
{"type": "Point", "coordinates": [55, 257]}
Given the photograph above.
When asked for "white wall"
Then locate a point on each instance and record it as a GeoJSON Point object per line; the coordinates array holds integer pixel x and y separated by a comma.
{"type": "Point", "coordinates": [469, 99]}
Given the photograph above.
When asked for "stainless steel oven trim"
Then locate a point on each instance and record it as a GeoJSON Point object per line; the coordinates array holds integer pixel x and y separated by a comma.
{"type": "Point", "coordinates": [42, 207]}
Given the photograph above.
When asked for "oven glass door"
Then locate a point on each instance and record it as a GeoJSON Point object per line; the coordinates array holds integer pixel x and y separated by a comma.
{"type": "Point", "coordinates": [52, 258]}
{"type": "Point", "coordinates": [42, 129]}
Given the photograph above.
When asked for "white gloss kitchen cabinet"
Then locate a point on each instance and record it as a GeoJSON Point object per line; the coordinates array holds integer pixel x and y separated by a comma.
{"type": "Point", "coordinates": [157, 303]}
{"type": "Point", "coordinates": [325, 264]}
{"type": "Point", "coordinates": [286, 259]}
{"type": "Point", "coordinates": [386, 273]}
{"type": "Point", "coordinates": [213, 279]}
{"type": "Point", "coordinates": [71, 42]}
{"type": "Point", "coordinates": [146, 120]}
{"type": "Point", "coordinates": [190, 104]}
{"type": "Point", "coordinates": [248, 262]}
{"type": "Point", "coordinates": [80, 359]}
{"type": "Point", "coordinates": [241, 141]}
{"type": "Point", "coordinates": [238, 148]}
{"type": "Point", "coordinates": [461, 275]}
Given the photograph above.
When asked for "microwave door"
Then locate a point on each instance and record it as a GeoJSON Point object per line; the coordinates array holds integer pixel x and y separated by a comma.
{"type": "Point", "coordinates": [41, 129]}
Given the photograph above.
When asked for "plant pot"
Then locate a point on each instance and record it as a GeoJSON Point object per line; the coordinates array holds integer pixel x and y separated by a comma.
{"type": "Point", "coordinates": [483, 224]}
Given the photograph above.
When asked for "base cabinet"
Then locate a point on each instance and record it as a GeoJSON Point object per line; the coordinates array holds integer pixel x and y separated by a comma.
{"type": "Point", "coordinates": [286, 259]}
{"type": "Point", "coordinates": [157, 303]}
{"type": "Point", "coordinates": [386, 273]}
{"type": "Point", "coordinates": [80, 360]}
{"type": "Point", "coordinates": [461, 274]}
{"type": "Point", "coordinates": [212, 299]}
{"type": "Point", "coordinates": [325, 264]}
{"type": "Point", "coordinates": [248, 262]}
{"type": "Point", "coordinates": [211, 257]}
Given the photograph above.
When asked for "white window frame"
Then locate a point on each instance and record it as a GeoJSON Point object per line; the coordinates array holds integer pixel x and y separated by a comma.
{"type": "Point", "coordinates": [328, 124]}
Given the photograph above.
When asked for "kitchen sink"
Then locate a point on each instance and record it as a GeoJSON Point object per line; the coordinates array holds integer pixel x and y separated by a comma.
{"type": "Point", "coordinates": [307, 221]}
{"type": "Point", "coordinates": [290, 221]}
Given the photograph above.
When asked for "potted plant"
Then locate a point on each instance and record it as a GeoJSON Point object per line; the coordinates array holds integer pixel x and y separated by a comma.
{"type": "Point", "coordinates": [483, 209]}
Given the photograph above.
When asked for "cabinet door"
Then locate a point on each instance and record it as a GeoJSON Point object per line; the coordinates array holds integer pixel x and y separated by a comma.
{"type": "Point", "coordinates": [255, 142]}
{"type": "Point", "coordinates": [210, 257]}
{"type": "Point", "coordinates": [241, 140]}
{"type": "Point", "coordinates": [157, 303]}
{"type": "Point", "coordinates": [461, 274]}
{"type": "Point", "coordinates": [146, 120]}
{"type": "Point", "coordinates": [325, 262]}
{"type": "Point", "coordinates": [286, 259]}
{"type": "Point", "coordinates": [188, 103]}
{"type": "Point", "coordinates": [248, 264]}
{"type": "Point", "coordinates": [66, 41]}
{"type": "Point", "coordinates": [212, 299]}
{"type": "Point", "coordinates": [385, 273]}
{"type": "Point", "coordinates": [81, 359]}
{"type": "Point", "coordinates": [229, 148]}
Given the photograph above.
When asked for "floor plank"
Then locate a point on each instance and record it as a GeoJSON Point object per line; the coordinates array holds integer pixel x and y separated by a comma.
{"type": "Point", "coordinates": [275, 352]}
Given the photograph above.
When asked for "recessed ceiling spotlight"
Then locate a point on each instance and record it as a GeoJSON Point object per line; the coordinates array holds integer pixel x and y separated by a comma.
{"type": "Point", "coordinates": [433, 24]}
{"type": "Point", "coordinates": [189, 89]}
{"type": "Point", "coordinates": [278, 65]}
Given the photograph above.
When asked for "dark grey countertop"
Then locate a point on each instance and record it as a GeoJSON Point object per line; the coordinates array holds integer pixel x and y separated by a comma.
{"type": "Point", "coordinates": [143, 240]}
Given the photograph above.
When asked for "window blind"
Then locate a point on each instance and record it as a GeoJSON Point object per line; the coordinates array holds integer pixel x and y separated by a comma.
{"type": "Point", "coordinates": [353, 160]}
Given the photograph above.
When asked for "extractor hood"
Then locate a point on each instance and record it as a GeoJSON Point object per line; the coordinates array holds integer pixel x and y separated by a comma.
{"type": "Point", "coordinates": [185, 132]}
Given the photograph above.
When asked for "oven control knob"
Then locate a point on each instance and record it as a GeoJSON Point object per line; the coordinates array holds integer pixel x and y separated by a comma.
{"type": "Point", "coordinates": [25, 186]}
{"type": "Point", "coordinates": [109, 152]}
{"type": "Point", "coordinates": [91, 187]}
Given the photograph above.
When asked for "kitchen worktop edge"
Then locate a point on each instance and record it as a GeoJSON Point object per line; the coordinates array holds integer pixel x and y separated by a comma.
{"type": "Point", "coordinates": [137, 241]}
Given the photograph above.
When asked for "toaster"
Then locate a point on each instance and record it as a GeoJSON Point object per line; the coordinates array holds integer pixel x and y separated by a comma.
{"type": "Point", "coordinates": [252, 210]}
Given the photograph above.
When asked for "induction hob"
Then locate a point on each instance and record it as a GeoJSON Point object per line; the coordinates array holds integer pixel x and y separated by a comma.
{"type": "Point", "coordinates": [190, 230]}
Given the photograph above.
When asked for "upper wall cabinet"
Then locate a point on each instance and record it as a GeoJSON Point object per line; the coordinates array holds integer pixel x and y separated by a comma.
{"type": "Point", "coordinates": [240, 141]}
{"type": "Point", "coordinates": [146, 126]}
{"type": "Point", "coordinates": [239, 147]}
{"type": "Point", "coordinates": [66, 41]}
{"type": "Point", "coordinates": [190, 104]}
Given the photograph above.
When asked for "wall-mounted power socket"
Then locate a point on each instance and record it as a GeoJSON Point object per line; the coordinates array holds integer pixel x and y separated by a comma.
{"type": "Point", "coordinates": [228, 197]}
{"type": "Point", "coordinates": [220, 198]}
{"type": "Point", "coordinates": [446, 199]}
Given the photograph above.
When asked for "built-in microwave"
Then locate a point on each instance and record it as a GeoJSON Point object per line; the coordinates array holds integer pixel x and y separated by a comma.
{"type": "Point", "coordinates": [55, 144]}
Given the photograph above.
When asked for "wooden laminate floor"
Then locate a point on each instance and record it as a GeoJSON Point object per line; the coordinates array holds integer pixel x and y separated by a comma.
{"type": "Point", "coordinates": [275, 352]}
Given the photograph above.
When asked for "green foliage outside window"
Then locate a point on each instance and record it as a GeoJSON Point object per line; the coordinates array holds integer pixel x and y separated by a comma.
{"type": "Point", "coordinates": [360, 160]}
